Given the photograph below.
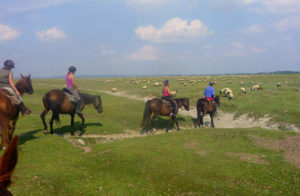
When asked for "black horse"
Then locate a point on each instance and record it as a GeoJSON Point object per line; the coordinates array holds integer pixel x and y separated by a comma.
{"type": "Point", "coordinates": [160, 107]}
{"type": "Point", "coordinates": [57, 101]}
{"type": "Point", "coordinates": [204, 107]}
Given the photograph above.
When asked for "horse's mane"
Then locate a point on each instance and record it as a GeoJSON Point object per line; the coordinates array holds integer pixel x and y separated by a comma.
{"type": "Point", "coordinates": [88, 98]}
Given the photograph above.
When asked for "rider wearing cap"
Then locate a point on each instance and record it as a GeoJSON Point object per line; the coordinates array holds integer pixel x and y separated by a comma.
{"type": "Point", "coordinates": [209, 92]}
{"type": "Point", "coordinates": [71, 86]}
{"type": "Point", "coordinates": [167, 95]}
{"type": "Point", "coordinates": [7, 82]}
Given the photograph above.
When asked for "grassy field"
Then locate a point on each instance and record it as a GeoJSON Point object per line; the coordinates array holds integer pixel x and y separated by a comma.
{"type": "Point", "coordinates": [186, 162]}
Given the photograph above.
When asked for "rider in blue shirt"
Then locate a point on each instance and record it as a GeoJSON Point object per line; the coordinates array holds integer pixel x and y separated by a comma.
{"type": "Point", "coordinates": [209, 92]}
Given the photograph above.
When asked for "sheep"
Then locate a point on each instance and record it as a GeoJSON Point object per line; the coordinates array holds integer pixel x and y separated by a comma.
{"type": "Point", "coordinates": [156, 84]}
{"type": "Point", "coordinates": [243, 90]}
{"type": "Point", "coordinates": [241, 82]}
{"type": "Point", "coordinates": [278, 84]}
{"type": "Point", "coordinates": [255, 87]}
{"type": "Point", "coordinates": [144, 87]}
{"type": "Point", "coordinates": [229, 82]}
{"type": "Point", "coordinates": [229, 95]}
{"type": "Point", "coordinates": [114, 90]}
{"type": "Point", "coordinates": [225, 90]}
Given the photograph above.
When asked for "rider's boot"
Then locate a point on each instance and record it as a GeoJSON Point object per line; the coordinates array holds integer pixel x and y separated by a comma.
{"type": "Point", "coordinates": [24, 109]}
{"type": "Point", "coordinates": [78, 109]}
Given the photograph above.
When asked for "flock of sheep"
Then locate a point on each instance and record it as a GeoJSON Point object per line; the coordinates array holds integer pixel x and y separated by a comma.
{"type": "Point", "coordinates": [184, 82]}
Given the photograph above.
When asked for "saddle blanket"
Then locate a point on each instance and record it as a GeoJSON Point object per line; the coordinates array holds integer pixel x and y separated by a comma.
{"type": "Point", "coordinates": [10, 94]}
{"type": "Point", "coordinates": [71, 97]}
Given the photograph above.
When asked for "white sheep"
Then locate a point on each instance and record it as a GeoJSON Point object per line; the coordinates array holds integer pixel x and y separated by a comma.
{"type": "Point", "coordinates": [255, 87]}
{"type": "Point", "coordinates": [278, 84]}
{"type": "Point", "coordinates": [243, 90]}
{"type": "Point", "coordinates": [229, 95]}
{"type": "Point", "coordinates": [114, 90]}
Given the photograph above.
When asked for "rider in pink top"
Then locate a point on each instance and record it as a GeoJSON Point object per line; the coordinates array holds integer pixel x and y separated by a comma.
{"type": "Point", "coordinates": [71, 86]}
{"type": "Point", "coordinates": [167, 95]}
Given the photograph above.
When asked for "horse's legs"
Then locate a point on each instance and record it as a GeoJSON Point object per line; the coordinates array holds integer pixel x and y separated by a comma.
{"type": "Point", "coordinates": [198, 117]}
{"type": "Point", "coordinates": [43, 115]}
{"type": "Point", "coordinates": [82, 121]}
{"type": "Point", "coordinates": [176, 121]}
{"type": "Point", "coordinates": [72, 124]}
{"type": "Point", "coordinates": [51, 123]}
{"type": "Point", "coordinates": [13, 125]}
{"type": "Point", "coordinates": [212, 120]}
{"type": "Point", "coordinates": [170, 123]}
{"type": "Point", "coordinates": [152, 123]}
{"type": "Point", "coordinates": [5, 130]}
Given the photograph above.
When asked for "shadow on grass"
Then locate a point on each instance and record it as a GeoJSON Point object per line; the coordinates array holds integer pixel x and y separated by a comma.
{"type": "Point", "coordinates": [23, 138]}
{"type": "Point", "coordinates": [161, 123]}
{"type": "Point", "coordinates": [67, 128]}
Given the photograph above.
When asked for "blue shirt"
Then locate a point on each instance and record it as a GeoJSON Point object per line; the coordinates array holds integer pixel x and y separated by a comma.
{"type": "Point", "coordinates": [209, 91]}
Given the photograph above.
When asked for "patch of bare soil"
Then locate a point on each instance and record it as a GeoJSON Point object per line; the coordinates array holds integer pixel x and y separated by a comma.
{"type": "Point", "coordinates": [193, 145]}
{"type": "Point", "coordinates": [290, 146]}
{"type": "Point", "coordinates": [251, 158]}
{"type": "Point", "coordinates": [78, 144]}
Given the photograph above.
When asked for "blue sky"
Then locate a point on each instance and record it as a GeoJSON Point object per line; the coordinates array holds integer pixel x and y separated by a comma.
{"type": "Point", "coordinates": [149, 37]}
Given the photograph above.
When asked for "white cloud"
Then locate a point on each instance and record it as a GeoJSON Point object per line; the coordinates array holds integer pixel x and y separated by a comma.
{"type": "Point", "coordinates": [7, 33]}
{"type": "Point", "coordinates": [253, 29]}
{"type": "Point", "coordinates": [286, 38]}
{"type": "Point", "coordinates": [287, 23]}
{"type": "Point", "coordinates": [107, 52]}
{"type": "Point", "coordinates": [134, 2]}
{"type": "Point", "coordinates": [282, 6]}
{"type": "Point", "coordinates": [50, 34]}
{"type": "Point", "coordinates": [174, 30]}
{"type": "Point", "coordinates": [146, 53]}
{"type": "Point", "coordinates": [21, 6]}
{"type": "Point", "coordinates": [237, 49]}
{"type": "Point", "coordinates": [258, 50]}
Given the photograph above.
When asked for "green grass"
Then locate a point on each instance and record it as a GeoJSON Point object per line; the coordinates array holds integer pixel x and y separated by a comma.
{"type": "Point", "coordinates": [166, 164]}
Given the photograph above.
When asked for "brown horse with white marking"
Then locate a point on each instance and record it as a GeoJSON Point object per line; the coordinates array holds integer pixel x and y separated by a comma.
{"type": "Point", "coordinates": [9, 112]}
{"type": "Point", "coordinates": [160, 107]}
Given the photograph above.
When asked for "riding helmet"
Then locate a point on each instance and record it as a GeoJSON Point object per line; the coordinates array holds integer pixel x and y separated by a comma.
{"type": "Point", "coordinates": [9, 64]}
{"type": "Point", "coordinates": [72, 69]}
{"type": "Point", "coordinates": [166, 82]}
{"type": "Point", "coordinates": [211, 83]}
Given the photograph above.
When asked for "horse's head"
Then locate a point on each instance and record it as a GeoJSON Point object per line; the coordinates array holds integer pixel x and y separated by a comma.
{"type": "Point", "coordinates": [26, 84]}
{"type": "Point", "coordinates": [98, 104]}
{"type": "Point", "coordinates": [186, 104]}
{"type": "Point", "coordinates": [8, 162]}
{"type": "Point", "coordinates": [217, 100]}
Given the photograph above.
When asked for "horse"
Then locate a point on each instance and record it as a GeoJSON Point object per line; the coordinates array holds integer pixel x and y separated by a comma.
{"type": "Point", "coordinates": [9, 112]}
{"type": "Point", "coordinates": [59, 103]}
{"type": "Point", "coordinates": [8, 162]}
{"type": "Point", "coordinates": [159, 107]}
{"type": "Point", "coordinates": [204, 107]}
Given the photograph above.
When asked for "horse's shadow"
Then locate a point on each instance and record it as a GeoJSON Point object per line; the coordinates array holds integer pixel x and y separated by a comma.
{"type": "Point", "coordinates": [67, 128]}
{"type": "Point", "coordinates": [24, 137]}
{"type": "Point", "coordinates": [161, 123]}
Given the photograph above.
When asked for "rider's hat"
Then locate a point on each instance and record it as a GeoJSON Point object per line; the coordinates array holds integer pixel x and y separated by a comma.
{"type": "Point", "coordinates": [166, 82]}
{"type": "Point", "coordinates": [211, 83]}
{"type": "Point", "coordinates": [72, 69]}
{"type": "Point", "coordinates": [9, 64]}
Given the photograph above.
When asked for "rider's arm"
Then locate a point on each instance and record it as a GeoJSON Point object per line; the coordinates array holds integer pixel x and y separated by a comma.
{"type": "Point", "coordinates": [168, 89]}
{"type": "Point", "coordinates": [73, 80]}
{"type": "Point", "coordinates": [213, 93]}
{"type": "Point", "coordinates": [12, 84]}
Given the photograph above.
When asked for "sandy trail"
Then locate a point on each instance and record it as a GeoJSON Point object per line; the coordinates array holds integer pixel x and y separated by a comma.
{"type": "Point", "coordinates": [223, 119]}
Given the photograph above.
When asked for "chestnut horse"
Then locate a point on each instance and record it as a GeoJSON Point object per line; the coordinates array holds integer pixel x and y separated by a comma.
{"type": "Point", "coordinates": [159, 107]}
{"type": "Point", "coordinates": [205, 107]}
{"type": "Point", "coordinates": [59, 103]}
{"type": "Point", "coordinates": [9, 111]}
{"type": "Point", "coordinates": [8, 163]}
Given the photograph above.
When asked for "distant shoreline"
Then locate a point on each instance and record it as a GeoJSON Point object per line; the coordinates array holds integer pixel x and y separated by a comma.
{"type": "Point", "coordinates": [172, 75]}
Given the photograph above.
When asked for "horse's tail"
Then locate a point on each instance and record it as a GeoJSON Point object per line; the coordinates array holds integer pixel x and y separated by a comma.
{"type": "Point", "coordinates": [48, 104]}
{"type": "Point", "coordinates": [199, 108]}
{"type": "Point", "coordinates": [147, 110]}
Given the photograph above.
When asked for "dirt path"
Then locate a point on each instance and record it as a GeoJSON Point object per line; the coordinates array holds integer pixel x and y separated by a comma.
{"type": "Point", "coordinates": [222, 120]}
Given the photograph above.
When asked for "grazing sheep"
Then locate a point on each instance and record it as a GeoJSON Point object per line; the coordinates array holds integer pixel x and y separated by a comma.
{"type": "Point", "coordinates": [255, 87]}
{"type": "Point", "coordinates": [229, 95]}
{"type": "Point", "coordinates": [156, 84]}
{"type": "Point", "coordinates": [114, 90]}
{"type": "Point", "coordinates": [225, 90]}
{"type": "Point", "coordinates": [243, 90]}
{"type": "Point", "coordinates": [144, 87]}
{"type": "Point", "coordinates": [278, 84]}
{"type": "Point", "coordinates": [241, 82]}
{"type": "Point", "coordinates": [229, 82]}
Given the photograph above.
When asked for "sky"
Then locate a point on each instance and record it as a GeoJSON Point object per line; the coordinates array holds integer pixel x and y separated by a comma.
{"type": "Point", "coordinates": [150, 37]}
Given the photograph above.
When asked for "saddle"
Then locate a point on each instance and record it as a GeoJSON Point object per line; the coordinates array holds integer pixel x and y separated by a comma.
{"type": "Point", "coordinates": [71, 97]}
{"type": "Point", "coordinates": [13, 99]}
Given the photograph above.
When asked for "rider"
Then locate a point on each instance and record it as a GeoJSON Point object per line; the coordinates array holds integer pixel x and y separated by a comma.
{"type": "Point", "coordinates": [6, 82]}
{"type": "Point", "coordinates": [167, 95]}
{"type": "Point", "coordinates": [209, 92]}
{"type": "Point", "coordinates": [70, 83]}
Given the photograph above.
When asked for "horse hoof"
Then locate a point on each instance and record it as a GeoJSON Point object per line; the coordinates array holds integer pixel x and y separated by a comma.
{"type": "Point", "coordinates": [72, 133]}
{"type": "Point", "coordinates": [51, 133]}
{"type": "Point", "coordinates": [45, 131]}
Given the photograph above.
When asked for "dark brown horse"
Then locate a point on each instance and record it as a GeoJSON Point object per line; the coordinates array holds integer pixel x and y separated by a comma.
{"type": "Point", "coordinates": [205, 107]}
{"type": "Point", "coordinates": [8, 163]}
{"type": "Point", "coordinates": [160, 107]}
{"type": "Point", "coordinates": [59, 103]}
{"type": "Point", "coordinates": [9, 112]}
